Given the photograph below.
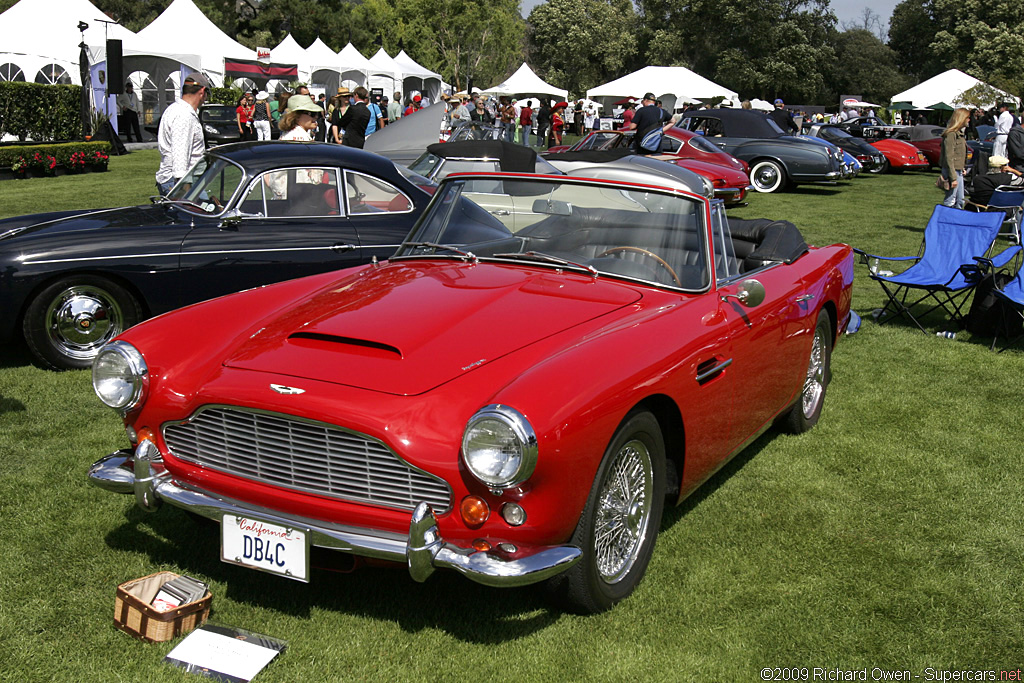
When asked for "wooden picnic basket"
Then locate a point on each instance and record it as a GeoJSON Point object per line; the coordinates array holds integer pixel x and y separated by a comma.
{"type": "Point", "coordinates": [134, 614]}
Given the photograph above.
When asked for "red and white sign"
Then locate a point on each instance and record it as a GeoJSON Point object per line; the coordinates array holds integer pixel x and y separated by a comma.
{"type": "Point", "coordinates": [263, 54]}
{"type": "Point", "coordinates": [850, 101]}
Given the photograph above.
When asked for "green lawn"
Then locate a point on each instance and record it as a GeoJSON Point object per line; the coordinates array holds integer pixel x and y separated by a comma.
{"type": "Point", "coordinates": [889, 536]}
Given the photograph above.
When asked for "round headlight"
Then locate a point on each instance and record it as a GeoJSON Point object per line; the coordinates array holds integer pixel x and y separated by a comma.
{"type": "Point", "coordinates": [120, 376]}
{"type": "Point", "coordinates": [499, 446]}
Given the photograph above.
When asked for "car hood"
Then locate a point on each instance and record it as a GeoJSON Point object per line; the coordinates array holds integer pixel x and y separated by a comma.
{"type": "Point", "coordinates": [84, 221]}
{"type": "Point", "coordinates": [406, 327]}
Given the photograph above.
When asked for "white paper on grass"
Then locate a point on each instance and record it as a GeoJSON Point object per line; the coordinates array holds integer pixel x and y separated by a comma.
{"type": "Point", "coordinates": [222, 654]}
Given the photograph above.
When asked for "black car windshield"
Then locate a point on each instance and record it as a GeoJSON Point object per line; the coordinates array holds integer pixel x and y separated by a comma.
{"type": "Point", "coordinates": [610, 229]}
{"type": "Point", "coordinates": [830, 133]}
{"type": "Point", "coordinates": [208, 186]}
{"type": "Point", "coordinates": [217, 114]}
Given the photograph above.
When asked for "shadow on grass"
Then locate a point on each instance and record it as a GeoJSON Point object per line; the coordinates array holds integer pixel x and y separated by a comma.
{"type": "Point", "coordinates": [816, 190]}
{"type": "Point", "coordinates": [11, 405]}
{"type": "Point", "coordinates": [172, 538]}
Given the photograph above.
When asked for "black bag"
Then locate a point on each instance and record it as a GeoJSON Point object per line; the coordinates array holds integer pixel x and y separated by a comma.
{"type": "Point", "coordinates": [990, 316]}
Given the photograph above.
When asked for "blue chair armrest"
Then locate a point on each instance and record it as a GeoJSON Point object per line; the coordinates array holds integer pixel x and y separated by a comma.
{"type": "Point", "coordinates": [864, 256]}
{"type": "Point", "coordinates": [1004, 257]}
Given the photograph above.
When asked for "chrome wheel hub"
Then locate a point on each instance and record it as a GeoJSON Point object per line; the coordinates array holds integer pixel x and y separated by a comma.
{"type": "Point", "coordinates": [624, 511]}
{"type": "Point", "coordinates": [766, 176]}
{"type": "Point", "coordinates": [814, 383]}
{"type": "Point", "coordinates": [81, 319]}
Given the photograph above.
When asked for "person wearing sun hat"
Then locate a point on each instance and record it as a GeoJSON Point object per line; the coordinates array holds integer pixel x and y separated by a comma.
{"type": "Point", "coordinates": [261, 115]}
{"type": "Point", "coordinates": [557, 123]}
{"type": "Point", "coordinates": [299, 122]}
{"type": "Point", "coordinates": [180, 136]}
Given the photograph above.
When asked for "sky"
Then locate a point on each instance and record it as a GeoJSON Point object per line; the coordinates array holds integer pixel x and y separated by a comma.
{"type": "Point", "coordinates": [845, 10]}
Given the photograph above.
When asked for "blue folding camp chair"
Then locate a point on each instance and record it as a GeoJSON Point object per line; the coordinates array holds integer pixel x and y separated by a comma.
{"type": "Point", "coordinates": [948, 266]}
{"type": "Point", "coordinates": [1012, 294]}
{"type": "Point", "coordinates": [1010, 201]}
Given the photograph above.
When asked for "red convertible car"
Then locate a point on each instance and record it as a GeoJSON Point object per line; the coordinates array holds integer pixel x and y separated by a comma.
{"type": "Point", "coordinates": [515, 395]}
{"type": "Point", "coordinates": [899, 156]}
{"type": "Point", "coordinates": [677, 143]}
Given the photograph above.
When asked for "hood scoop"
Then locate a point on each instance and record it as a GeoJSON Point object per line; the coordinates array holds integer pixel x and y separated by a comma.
{"type": "Point", "coordinates": [325, 342]}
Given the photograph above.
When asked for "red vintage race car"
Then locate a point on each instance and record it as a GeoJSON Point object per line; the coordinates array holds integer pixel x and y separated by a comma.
{"type": "Point", "coordinates": [515, 395]}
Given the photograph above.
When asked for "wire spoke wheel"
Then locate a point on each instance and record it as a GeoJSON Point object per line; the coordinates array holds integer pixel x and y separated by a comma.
{"type": "Point", "coordinates": [624, 511]}
{"type": "Point", "coordinates": [814, 384]}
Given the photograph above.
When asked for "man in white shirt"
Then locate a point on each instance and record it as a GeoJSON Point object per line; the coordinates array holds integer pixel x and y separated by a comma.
{"type": "Point", "coordinates": [180, 138]}
{"type": "Point", "coordinates": [128, 113]}
{"type": "Point", "coordinates": [1004, 123]}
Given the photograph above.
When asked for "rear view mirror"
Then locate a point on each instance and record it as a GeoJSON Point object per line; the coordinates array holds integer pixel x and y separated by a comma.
{"type": "Point", "coordinates": [553, 207]}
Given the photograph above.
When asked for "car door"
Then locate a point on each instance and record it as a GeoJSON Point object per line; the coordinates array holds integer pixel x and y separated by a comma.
{"type": "Point", "coordinates": [293, 223]}
{"type": "Point", "coordinates": [380, 213]}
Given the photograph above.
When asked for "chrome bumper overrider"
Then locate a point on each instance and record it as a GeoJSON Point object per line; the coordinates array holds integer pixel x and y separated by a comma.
{"type": "Point", "coordinates": [423, 549]}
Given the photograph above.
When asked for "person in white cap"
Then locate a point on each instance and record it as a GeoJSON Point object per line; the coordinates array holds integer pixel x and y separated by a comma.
{"type": "Point", "coordinates": [261, 115]}
{"type": "Point", "coordinates": [180, 137]}
{"type": "Point", "coordinates": [999, 173]}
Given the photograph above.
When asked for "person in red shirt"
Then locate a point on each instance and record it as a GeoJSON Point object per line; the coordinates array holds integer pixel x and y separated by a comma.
{"type": "Point", "coordinates": [244, 113]}
{"type": "Point", "coordinates": [526, 122]}
{"type": "Point", "coordinates": [627, 116]}
{"type": "Point", "coordinates": [414, 107]}
{"type": "Point", "coordinates": [558, 122]}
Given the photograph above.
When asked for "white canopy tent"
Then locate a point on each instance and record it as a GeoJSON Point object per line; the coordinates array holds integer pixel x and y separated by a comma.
{"type": "Point", "coordinates": [356, 67]}
{"type": "Point", "coordinates": [418, 78]}
{"type": "Point", "coordinates": [324, 67]}
{"type": "Point", "coordinates": [288, 51]}
{"type": "Point", "coordinates": [39, 39]}
{"type": "Point", "coordinates": [385, 73]}
{"type": "Point", "coordinates": [525, 82]}
{"type": "Point", "coordinates": [668, 83]}
{"type": "Point", "coordinates": [945, 88]}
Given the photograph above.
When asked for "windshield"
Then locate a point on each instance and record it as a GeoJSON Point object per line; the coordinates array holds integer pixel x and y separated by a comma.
{"type": "Point", "coordinates": [217, 114]}
{"type": "Point", "coordinates": [834, 134]}
{"type": "Point", "coordinates": [208, 186]}
{"type": "Point", "coordinates": [604, 140]}
{"type": "Point", "coordinates": [703, 144]}
{"type": "Point", "coordinates": [609, 229]}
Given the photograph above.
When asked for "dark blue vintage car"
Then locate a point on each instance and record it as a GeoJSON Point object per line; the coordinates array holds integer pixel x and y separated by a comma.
{"type": "Point", "coordinates": [776, 160]}
{"type": "Point", "coordinates": [248, 214]}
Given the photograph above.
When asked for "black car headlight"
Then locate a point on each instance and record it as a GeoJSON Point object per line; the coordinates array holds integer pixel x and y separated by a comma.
{"type": "Point", "coordinates": [120, 376]}
{"type": "Point", "coordinates": [499, 446]}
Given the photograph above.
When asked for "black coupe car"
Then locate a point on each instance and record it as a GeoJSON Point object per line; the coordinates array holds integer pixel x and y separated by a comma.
{"type": "Point", "coordinates": [248, 214]}
{"type": "Point", "coordinates": [870, 157]}
{"type": "Point", "coordinates": [776, 160]}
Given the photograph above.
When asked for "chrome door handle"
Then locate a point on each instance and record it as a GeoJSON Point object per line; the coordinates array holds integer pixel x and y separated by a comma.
{"type": "Point", "coordinates": [500, 212]}
{"type": "Point", "coordinates": [343, 247]}
{"type": "Point", "coordinates": [805, 297]}
{"type": "Point", "coordinates": [711, 372]}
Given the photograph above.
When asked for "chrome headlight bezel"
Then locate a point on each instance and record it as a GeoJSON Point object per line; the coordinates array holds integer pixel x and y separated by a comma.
{"type": "Point", "coordinates": [515, 470]}
{"type": "Point", "coordinates": [133, 375]}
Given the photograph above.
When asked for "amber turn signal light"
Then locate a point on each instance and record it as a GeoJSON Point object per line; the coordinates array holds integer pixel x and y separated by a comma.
{"type": "Point", "coordinates": [481, 545]}
{"type": "Point", "coordinates": [474, 511]}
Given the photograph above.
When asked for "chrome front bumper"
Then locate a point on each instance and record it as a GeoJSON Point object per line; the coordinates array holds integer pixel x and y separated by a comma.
{"type": "Point", "coordinates": [423, 549]}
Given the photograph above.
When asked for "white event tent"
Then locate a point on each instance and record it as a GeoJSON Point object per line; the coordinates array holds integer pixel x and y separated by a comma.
{"type": "Point", "coordinates": [946, 88]}
{"type": "Point", "coordinates": [355, 67]}
{"type": "Point", "coordinates": [385, 73]}
{"type": "Point", "coordinates": [418, 78]}
{"type": "Point", "coordinates": [288, 51]}
{"type": "Point", "coordinates": [525, 82]}
{"type": "Point", "coordinates": [668, 83]}
{"type": "Point", "coordinates": [39, 39]}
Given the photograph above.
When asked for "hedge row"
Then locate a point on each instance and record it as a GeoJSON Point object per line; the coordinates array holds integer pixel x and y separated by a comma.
{"type": "Point", "coordinates": [225, 96]}
{"type": "Point", "coordinates": [40, 112]}
{"type": "Point", "coordinates": [62, 153]}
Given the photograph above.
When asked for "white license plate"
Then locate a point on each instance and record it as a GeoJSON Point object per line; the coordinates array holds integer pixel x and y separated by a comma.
{"type": "Point", "coordinates": [264, 546]}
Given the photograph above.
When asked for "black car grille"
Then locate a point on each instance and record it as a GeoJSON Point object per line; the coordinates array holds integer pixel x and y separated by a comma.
{"type": "Point", "coordinates": [303, 455]}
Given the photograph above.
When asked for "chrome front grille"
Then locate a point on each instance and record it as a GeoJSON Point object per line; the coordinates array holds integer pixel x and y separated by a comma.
{"type": "Point", "coordinates": [303, 455]}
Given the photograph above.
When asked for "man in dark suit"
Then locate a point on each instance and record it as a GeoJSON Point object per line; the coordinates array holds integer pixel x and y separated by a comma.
{"type": "Point", "coordinates": [355, 119]}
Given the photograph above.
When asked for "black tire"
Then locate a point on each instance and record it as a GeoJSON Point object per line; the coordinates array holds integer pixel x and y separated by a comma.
{"type": "Point", "coordinates": [67, 323]}
{"type": "Point", "coordinates": [878, 170]}
{"type": "Point", "coordinates": [609, 571]}
{"type": "Point", "coordinates": [768, 176]}
{"type": "Point", "coordinates": [804, 413]}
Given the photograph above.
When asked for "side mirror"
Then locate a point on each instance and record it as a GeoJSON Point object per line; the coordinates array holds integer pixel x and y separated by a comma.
{"type": "Point", "coordinates": [750, 294]}
{"type": "Point", "coordinates": [232, 219]}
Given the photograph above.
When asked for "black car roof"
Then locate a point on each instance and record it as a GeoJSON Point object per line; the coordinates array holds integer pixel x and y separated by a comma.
{"type": "Point", "coordinates": [511, 157]}
{"type": "Point", "coordinates": [743, 123]}
{"type": "Point", "coordinates": [257, 157]}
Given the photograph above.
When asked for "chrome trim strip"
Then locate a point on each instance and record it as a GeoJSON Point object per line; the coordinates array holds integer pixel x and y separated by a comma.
{"type": "Point", "coordinates": [423, 550]}
{"type": "Point", "coordinates": [176, 254]}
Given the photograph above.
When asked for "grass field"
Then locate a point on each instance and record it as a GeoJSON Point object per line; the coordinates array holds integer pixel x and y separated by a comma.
{"type": "Point", "coordinates": [889, 536]}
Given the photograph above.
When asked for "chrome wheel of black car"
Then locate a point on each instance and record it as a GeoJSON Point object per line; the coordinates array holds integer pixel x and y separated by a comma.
{"type": "Point", "coordinates": [68, 322]}
{"type": "Point", "coordinates": [805, 412]}
{"type": "Point", "coordinates": [880, 168]}
{"type": "Point", "coordinates": [767, 176]}
{"type": "Point", "coordinates": [619, 525]}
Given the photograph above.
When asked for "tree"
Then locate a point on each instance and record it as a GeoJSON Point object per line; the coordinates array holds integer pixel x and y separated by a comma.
{"type": "Point", "coordinates": [869, 21]}
{"type": "Point", "coordinates": [765, 49]}
{"type": "Point", "coordinates": [578, 44]}
{"type": "Point", "coordinates": [866, 66]}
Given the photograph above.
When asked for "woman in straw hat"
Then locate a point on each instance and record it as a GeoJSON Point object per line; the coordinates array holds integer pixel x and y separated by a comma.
{"type": "Point", "coordinates": [299, 121]}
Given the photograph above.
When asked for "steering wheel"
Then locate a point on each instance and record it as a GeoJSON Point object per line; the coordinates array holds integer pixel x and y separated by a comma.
{"type": "Point", "coordinates": [662, 262]}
